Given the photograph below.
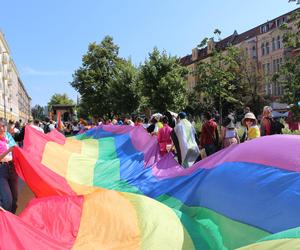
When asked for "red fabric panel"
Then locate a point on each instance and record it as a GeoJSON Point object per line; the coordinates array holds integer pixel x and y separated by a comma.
{"type": "Point", "coordinates": [38, 228]}
{"type": "Point", "coordinates": [41, 180]}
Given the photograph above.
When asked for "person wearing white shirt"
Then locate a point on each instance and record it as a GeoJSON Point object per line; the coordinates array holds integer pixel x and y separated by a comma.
{"type": "Point", "coordinates": [36, 126]}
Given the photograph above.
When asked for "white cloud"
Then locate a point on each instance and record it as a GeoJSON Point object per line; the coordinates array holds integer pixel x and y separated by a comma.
{"type": "Point", "coordinates": [33, 72]}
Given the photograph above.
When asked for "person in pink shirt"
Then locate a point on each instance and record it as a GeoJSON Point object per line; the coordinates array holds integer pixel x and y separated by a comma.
{"type": "Point", "coordinates": [164, 136]}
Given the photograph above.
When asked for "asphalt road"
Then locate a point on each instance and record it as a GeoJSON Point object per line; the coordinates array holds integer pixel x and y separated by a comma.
{"type": "Point", "coordinates": [25, 195]}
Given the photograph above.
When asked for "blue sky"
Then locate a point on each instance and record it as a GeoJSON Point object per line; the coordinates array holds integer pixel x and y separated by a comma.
{"type": "Point", "coordinates": [48, 38]}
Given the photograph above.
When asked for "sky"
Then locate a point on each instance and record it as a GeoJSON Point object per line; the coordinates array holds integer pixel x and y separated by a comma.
{"type": "Point", "coordinates": [47, 39]}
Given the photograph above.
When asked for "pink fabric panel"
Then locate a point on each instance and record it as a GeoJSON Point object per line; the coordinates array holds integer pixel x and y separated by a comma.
{"type": "Point", "coordinates": [280, 151]}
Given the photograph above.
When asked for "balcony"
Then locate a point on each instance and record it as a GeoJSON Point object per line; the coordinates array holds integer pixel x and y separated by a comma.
{"type": "Point", "coordinates": [9, 82]}
{"type": "Point", "coordinates": [5, 58]}
{"type": "Point", "coordinates": [5, 75]}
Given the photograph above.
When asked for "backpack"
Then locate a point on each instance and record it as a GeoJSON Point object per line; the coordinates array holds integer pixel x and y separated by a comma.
{"type": "Point", "coordinates": [275, 127]}
{"type": "Point", "coordinates": [47, 128]}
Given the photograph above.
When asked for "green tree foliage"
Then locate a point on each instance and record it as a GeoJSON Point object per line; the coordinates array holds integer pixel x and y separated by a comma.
{"type": "Point", "coordinates": [289, 74]}
{"type": "Point", "coordinates": [60, 99]}
{"type": "Point", "coordinates": [105, 81]}
{"type": "Point", "coordinates": [162, 82]}
{"type": "Point", "coordinates": [94, 78]}
{"type": "Point", "coordinates": [38, 112]}
{"type": "Point", "coordinates": [123, 91]}
{"type": "Point", "coordinates": [219, 81]}
{"type": "Point", "coordinates": [252, 79]}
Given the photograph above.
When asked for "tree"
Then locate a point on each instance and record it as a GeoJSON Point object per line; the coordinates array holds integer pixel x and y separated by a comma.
{"type": "Point", "coordinates": [162, 82]}
{"type": "Point", "coordinates": [219, 80]}
{"type": "Point", "coordinates": [253, 81]}
{"type": "Point", "coordinates": [106, 82]}
{"type": "Point", "coordinates": [123, 91]}
{"type": "Point", "coordinates": [94, 78]}
{"type": "Point", "coordinates": [289, 73]}
{"type": "Point", "coordinates": [59, 99]}
{"type": "Point", "coordinates": [38, 112]}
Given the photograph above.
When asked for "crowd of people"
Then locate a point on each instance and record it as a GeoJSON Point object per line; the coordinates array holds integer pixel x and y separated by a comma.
{"type": "Point", "coordinates": [174, 132]}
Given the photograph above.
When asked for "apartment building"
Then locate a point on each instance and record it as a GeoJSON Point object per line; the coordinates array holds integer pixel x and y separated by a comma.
{"type": "Point", "coordinates": [263, 45]}
{"type": "Point", "coordinates": [14, 99]}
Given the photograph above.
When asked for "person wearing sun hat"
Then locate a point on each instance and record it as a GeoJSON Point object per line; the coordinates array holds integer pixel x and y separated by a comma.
{"type": "Point", "coordinates": [250, 122]}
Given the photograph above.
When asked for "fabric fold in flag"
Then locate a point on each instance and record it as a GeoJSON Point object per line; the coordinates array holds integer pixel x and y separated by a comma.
{"type": "Point", "coordinates": [231, 199]}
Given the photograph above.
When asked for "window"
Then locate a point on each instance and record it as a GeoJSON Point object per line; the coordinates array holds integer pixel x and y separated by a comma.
{"type": "Point", "coordinates": [269, 89]}
{"type": "Point", "coordinates": [277, 65]}
{"type": "Point", "coordinates": [274, 66]}
{"type": "Point", "coordinates": [266, 69]}
{"type": "Point", "coordinates": [267, 48]}
{"type": "Point", "coordinates": [278, 89]}
{"type": "Point", "coordinates": [263, 49]}
{"type": "Point", "coordinates": [264, 28]}
{"type": "Point", "coordinates": [273, 44]}
{"type": "Point", "coordinates": [253, 52]}
{"type": "Point", "coordinates": [281, 92]}
{"type": "Point", "coordinates": [278, 42]}
{"type": "Point", "coordinates": [280, 21]}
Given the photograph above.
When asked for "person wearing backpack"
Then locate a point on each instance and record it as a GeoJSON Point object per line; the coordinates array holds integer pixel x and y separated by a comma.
{"type": "Point", "coordinates": [47, 125]}
{"type": "Point", "coordinates": [276, 126]}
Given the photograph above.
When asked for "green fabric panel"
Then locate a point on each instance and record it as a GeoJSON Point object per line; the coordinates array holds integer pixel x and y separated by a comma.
{"type": "Point", "coordinates": [219, 228]}
{"type": "Point", "coordinates": [122, 186]}
{"type": "Point", "coordinates": [107, 169]}
{"type": "Point", "coordinates": [293, 233]}
{"type": "Point", "coordinates": [81, 136]}
{"type": "Point", "coordinates": [204, 233]}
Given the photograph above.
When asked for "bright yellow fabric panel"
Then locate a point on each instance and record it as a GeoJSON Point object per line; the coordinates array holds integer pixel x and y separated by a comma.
{"type": "Point", "coordinates": [160, 227]}
{"type": "Point", "coordinates": [56, 158]}
{"type": "Point", "coordinates": [81, 166]}
{"type": "Point", "coordinates": [73, 145]}
{"type": "Point", "coordinates": [108, 221]}
{"type": "Point", "coordinates": [285, 244]}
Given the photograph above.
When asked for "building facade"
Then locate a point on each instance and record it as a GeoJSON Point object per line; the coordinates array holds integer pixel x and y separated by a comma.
{"type": "Point", "coordinates": [14, 99]}
{"type": "Point", "coordinates": [263, 46]}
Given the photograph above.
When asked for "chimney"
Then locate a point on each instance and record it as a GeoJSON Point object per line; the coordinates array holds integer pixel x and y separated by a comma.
{"type": "Point", "coordinates": [194, 54]}
{"type": "Point", "coordinates": [210, 45]}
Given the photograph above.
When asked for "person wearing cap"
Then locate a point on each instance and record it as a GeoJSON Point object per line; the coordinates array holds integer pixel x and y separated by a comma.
{"type": "Point", "coordinates": [185, 132]}
{"type": "Point", "coordinates": [8, 175]}
{"type": "Point", "coordinates": [250, 123]}
{"type": "Point", "coordinates": [229, 134]}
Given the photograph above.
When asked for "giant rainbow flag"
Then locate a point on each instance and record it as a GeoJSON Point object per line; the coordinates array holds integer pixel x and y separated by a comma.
{"type": "Point", "coordinates": [246, 194]}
